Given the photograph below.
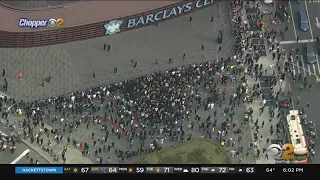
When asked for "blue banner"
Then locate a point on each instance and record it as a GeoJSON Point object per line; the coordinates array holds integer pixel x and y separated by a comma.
{"type": "Point", "coordinates": [39, 170]}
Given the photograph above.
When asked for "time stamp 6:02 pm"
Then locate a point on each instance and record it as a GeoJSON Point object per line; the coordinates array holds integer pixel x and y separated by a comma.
{"type": "Point", "coordinates": [53, 23]}
{"type": "Point", "coordinates": [286, 170]}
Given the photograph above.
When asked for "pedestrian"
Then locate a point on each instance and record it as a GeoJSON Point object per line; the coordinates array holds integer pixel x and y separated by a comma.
{"type": "Point", "coordinates": [202, 48]}
{"type": "Point", "coordinates": [190, 18]}
{"type": "Point", "coordinates": [109, 48]}
{"type": "Point", "coordinates": [135, 65]}
{"type": "Point", "coordinates": [3, 72]}
{"type": "Point", "coordinates": [6, 84]}
{"type": "Point", "coordinates": [115, 70]}
{"type": "Point", "coordinates": [297, 39]}
{"type": "Point", "coordinates": [170, 60]}
{"type": "Point", "coordinates": [273, 56]}
{"type": "Point", "coordinates": [105, 46]}
{"type": "Point", "coordinates": [93, 74]}
{"type": "Point", "coordinates": [20, 75]}
{"type": "Point", "coordinates": [212, 19]}
{"type": "Point", "coordinates": [184, 56]}
{"type": "Point", "coordinates": [42, 84]}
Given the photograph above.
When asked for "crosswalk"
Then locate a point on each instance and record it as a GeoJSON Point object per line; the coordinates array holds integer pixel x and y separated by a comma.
{"type": "Point", "coordinates": [305, 68]}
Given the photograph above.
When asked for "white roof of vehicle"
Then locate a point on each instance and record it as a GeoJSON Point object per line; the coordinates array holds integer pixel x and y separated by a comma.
{"type": "Point", "coordinates": [296, 132]}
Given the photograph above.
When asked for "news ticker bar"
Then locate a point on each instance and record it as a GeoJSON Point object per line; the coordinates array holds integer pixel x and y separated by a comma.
{"type": "Point", "coordinates": [192, 169]}
{"type": "Point", "coordinates": [134, 170]}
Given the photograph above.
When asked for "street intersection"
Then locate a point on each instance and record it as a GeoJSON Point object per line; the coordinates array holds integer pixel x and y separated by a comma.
{"type": "Point", "coordinates": [294, 33]}
{"type": "Point", "coordinates": [289, 42]}
{"type": "Point", "coordinates": [313, 111]}
{"type": "Point", "coordinates": [19, 156]}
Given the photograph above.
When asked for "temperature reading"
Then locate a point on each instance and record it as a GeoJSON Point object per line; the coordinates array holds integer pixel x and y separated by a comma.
{"type": "Point", "coordinates": [112, 170]}
{"type": "Point", "coordinates": [84, 170]}
{"type": "Point", "coordinates": [250, 170]}
{"type": "Point", "coordinates": [222, 169]}
{"type": "Point", "coordinates": [139, 170]}
{"type": "Point", "coordinates": [166, 170]}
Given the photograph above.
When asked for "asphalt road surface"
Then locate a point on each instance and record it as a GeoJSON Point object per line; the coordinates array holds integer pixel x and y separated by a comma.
{"type": "Point", "coordinates": [7, 157]}
{"type": "Point", "coordinates": [309, 97]}
{"type": "Point", "coordinates": [294, 32]}
{"type": "Point", "coordinates": [313, 8]}
{"type": "Point", "coordinates": [295, 7]}
{"type": "Point", "coordinates": [306, 69]}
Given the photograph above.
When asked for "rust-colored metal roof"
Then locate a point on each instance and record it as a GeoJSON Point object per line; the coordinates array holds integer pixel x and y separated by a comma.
{"type": "Point", "coordinates": [77, 13]}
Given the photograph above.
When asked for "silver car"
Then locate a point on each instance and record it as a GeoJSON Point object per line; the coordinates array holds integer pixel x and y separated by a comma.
{"type": "Point", "coordinates": [310, 54]}
{"type": "Point", "coordinates": [311, 57]}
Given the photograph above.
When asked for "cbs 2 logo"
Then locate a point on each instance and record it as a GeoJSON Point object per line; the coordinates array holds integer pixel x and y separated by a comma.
{"type": "Point", "coordinates": [284, 152]}
{"type": "Point", "coordinates": [59, 23]}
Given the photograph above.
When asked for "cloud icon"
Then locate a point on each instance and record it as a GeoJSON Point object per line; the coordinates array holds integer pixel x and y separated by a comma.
{"type": "Point", "coordinates": [113, 27]}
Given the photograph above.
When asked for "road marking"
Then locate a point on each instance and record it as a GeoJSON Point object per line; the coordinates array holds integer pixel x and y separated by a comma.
{"type": "Point", "coordinates": [300, 41]}
{"type": "Point", "coordinates": [293, 68]}
{"type": "Point", "coordinates": [20, 156]}
{"type": "Point", "coordinates": [298, 67]}
{"type": "Point", "coordinates": [318, 64]}
{"type": "Point", "coordinates": [315, 130]}
{"type": "Point", "coordinates": [314, 69]}
{"type": "Point", "coordinates": [289, 87]}
{"type": "Point", "coordinates": [292, 19]}
{"type": "Point", "coordinates": [304, 69]}
{"type": "Point", "coordinates": [309, 70]}
{"type": "Point", "coordinates": [314, 1]}
{"type": "Point", "coordinates": [305, 2]}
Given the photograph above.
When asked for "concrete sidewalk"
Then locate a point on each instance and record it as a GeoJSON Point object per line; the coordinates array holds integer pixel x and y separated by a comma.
{"type": "Point", "coordinates": [265, 131]}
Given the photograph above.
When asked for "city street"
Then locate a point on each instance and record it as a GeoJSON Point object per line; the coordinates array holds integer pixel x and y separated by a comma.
{"type": "Point", "coordinates": [295, 7]}
{"type": "Point", "coordinates": [309, 97]}
{"type": "Point", "coordinates": [18, 157]}
{"type": "Point", "coordinates": [313, 8]}
{"type": "Point", "coordinates": [306, 69]}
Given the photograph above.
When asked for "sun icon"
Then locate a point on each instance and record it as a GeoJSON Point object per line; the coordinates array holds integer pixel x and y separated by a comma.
{"type": "Point", "coordinates": [75, 170]}
{"type": "Point", "coordinates": [130, 170]}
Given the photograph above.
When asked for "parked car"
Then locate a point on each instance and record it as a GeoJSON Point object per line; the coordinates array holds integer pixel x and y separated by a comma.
{"type": "Point", "coordinates": [303, 20]}
{"type": "Point", "coordinates": [310, 53]}
{"type": "Point", "coordinates": [318, 44]}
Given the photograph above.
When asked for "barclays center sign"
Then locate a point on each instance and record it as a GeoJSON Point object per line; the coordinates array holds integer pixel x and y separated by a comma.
{"type": "Point", "coordinates": [164, 14]}
{"type": "Point", "coordinates": [114, 26]}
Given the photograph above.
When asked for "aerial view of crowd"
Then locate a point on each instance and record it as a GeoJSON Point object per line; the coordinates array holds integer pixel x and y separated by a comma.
{"type": "Point", "coordinates": [120, 121]}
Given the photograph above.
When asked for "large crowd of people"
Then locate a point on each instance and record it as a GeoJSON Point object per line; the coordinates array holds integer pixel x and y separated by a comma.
{"type": "Point", "coordinates": [144, 112]}
{"type": "Point", "coordinates": [142, 115]}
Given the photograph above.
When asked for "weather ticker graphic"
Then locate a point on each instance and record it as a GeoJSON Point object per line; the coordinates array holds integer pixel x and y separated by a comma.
{"type": "Point", "coordinates": [134, 170]}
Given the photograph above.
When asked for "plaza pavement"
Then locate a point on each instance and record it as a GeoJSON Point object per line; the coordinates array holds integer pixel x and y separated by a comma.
{"type": "Point", "coordinates": [71, 65]}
